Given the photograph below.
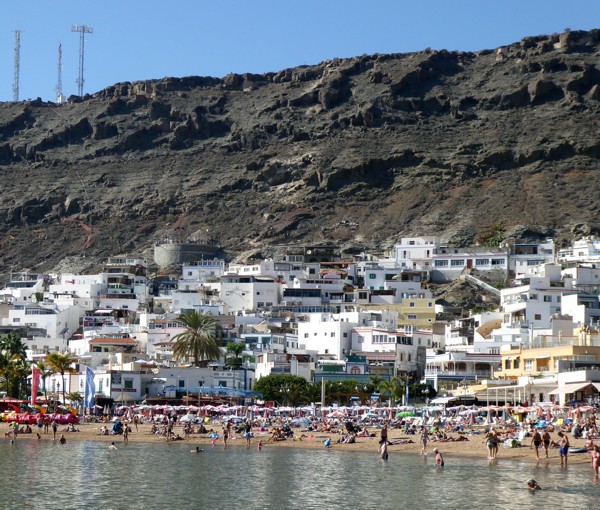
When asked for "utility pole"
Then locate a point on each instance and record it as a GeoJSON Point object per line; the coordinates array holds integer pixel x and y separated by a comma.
{"type": "Point", "coordinates": [82, 29]}
{"type": "Point", "coordinates": [17, 65]}
{"type": "Point", "coordinates": [60, 98]}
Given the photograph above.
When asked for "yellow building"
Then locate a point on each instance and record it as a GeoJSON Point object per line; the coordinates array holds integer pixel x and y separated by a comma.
{"type": "Point", "coordinates": [420, 312]}
{"type": "Point", "coordinates": [545, 360]}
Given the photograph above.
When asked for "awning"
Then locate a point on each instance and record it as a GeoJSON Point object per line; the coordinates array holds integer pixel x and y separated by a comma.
{"type": "Point", "coordinates": [542, 356]}
{"type": "Point", "coordinates": [571, 388]}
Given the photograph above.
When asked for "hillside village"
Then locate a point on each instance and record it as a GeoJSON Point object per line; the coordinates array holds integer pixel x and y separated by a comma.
{"type": "Point", "coordinates": [321, 316]}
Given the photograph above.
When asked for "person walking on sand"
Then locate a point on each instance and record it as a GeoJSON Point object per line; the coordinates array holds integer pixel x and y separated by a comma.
{"type": "Point", "coordinates": [424, 437]}
{"type": "Point", "coordinates": [439, 459]}
{"type": "Point", "coordinates": [536, 440]}
{"type": "Point", "coordinates": [126, 434]}
{"type": "Point", "coordinates": [546, 439]}
{"type": "Point", "coordinates": [563, 448]}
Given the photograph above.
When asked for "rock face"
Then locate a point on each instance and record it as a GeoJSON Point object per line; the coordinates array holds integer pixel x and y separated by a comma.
{"type": "Point", "coordinates": [354, 151]}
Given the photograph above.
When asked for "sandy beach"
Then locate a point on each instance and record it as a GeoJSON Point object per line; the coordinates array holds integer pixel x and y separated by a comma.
{"type": "Point", "coordinates": [475, 446]}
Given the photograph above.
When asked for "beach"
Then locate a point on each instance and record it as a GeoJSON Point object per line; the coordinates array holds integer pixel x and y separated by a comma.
{"type": "Point", "coordinates": [474, 447]}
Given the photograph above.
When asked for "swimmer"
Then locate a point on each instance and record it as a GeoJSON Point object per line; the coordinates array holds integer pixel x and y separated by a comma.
{"type": "Point", "coordinates": [439, 459]}
{"type": "Point", "coordinates": [383, 450]}
{"type": "Point", "coordinates": [532, 485]}
{"type": "Point", "coordinates": [197, 450]}
{"type": "Point", "coordinates": [112, 446]}
{"type": "Point", "coordinates": [63, 439]}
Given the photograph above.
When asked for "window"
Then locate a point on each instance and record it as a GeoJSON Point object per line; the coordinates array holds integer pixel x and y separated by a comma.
{"type": "Point", "coordinates": [222, 384]}
{"type": "Point", "coordinates": [533, 296]}
{"type": "Point", "coordinates": [128, 384]}
{"type": "Point", "coordinates": [412, 304]}
{"type": "Point", "coordinates": [430, 304]}
{"type": "Point", "coordinates": [411, 316]}
{"type": "Point", "coordinates": [537, 317]}
{"type": "Point", "coordinates": [16, 319]}
{"type": "Point", "coordinates": [507, 364]}
{"type": "Point", "coordinates": [482, 262]}
{"type": "Point", "coordinates": [528, 364]}
{"type": "Point", "coordinates": [497, 262]}
{"type": "Point", "coordinates": [345, 335]}
{"type": "Point", "coordinates": [372, 276]}
{"type": "Point", "coordinates": [333, 334]}
{"type": "Point", "coordinates": [440, 263]}
{"type": "Point", "coordinates": [305, 335]}
{"type": "Point", "coordinates": [547, 299]}
{"type": "Point", "coordinates": [457, 262]}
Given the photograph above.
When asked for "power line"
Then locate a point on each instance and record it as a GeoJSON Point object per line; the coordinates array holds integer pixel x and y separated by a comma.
{"type": "Point", "coordinates": [82, 29]}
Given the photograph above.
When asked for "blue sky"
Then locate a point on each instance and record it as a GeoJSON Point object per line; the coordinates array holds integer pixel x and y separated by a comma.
{"type": "Point", "coordinates": [149, 39]}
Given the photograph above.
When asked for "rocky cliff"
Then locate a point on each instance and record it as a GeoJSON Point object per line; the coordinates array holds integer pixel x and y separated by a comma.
{"type": "Point", "coordinates": [354, 151]}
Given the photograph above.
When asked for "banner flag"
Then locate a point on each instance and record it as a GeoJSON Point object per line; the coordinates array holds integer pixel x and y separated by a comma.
{"type": "Point", "coordinates": [36, 375]}
{"type": "Point", "coordinates": [90, 387]}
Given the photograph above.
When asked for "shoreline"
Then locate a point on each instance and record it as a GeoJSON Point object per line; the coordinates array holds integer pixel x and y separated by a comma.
{"type": "Point", "coordinates": [473, 448]}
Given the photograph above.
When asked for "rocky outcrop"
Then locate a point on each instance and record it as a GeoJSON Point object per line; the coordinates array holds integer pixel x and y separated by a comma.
{"type": "Point", "coordinates": [355, 151]}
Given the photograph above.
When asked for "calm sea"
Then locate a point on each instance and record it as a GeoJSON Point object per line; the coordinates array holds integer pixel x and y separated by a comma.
{"type": "Point", "coordinates": [82, 475]}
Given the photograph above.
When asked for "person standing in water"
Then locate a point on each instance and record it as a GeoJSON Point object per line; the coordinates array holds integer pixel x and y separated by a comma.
{"type": "Point", "coordinates": [536, 440]}
{"type": "Point", "coordinates": [424, 437]}
{"type": "Point", "coordinates": [563, 448]}
{"type": "Point", "coordinates": [439, 459]}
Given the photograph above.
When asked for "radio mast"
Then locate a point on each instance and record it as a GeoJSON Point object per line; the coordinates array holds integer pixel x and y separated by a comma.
{"type": "Point", "coordinates": [82, 29]}
{"type": "Point", "coordinates": [60, 98]}
{"type": "Point", "coordinates": [17, 73]}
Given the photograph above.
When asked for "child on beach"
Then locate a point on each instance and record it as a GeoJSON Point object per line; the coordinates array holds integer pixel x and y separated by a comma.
{"type": "Point", "coordinates": [532, 485]}
{"type": "Point", "coordinates": [259, 445]}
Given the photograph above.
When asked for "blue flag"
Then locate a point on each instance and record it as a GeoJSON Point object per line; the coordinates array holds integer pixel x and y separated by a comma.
{"type": "Point", "coordinates": [90, 387]}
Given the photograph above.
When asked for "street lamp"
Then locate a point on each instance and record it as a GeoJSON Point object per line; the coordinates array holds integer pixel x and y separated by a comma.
{"type": "Point", "coordinates": [464, 383]}
{"type": "Point", "coordinates": [426, 393]}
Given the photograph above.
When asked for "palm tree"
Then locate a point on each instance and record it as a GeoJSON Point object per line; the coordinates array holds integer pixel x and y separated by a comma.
{"type": "Point", "coordinates": [312, 392]}
{"type": "Point", "coordinates": [20, 368]}
{"type": "Point", "coordinates": [233, 354]}
{"type": "Point", "coordinates": [60, 364]}
{"type": "Point", "coordinates": [45, 372]}
{"type": "Point", "coordinates": [5, 370]}
{"type": "Point", "coordinates": [13, 345]}
{"type": "Point", "coordinates": [393, 388]}
{"type": "Point", "coordinates": [198, 340]}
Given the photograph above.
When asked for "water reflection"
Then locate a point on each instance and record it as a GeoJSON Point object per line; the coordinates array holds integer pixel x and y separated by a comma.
{"type": "Point", "coordinates": [82, 475]}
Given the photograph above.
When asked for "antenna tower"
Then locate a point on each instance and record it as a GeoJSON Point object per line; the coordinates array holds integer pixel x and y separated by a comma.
{"type": "Point", "coordinates": [17, 65]}
{"type": "Point", "coordinates": [82, 29]}
{"type": "Point", "coordinates": [59, 93]}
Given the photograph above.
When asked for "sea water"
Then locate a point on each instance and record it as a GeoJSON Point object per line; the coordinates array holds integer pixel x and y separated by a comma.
{"type": "Point", "coordinates": [87, 475]}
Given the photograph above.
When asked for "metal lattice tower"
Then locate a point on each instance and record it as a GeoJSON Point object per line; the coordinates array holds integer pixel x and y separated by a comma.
{"type": "Point", "coordinates": [16, 77]}
{"type": "Point", "coordinates": [82, 29]}
{"type": "Point", "coordinates": [59, 93]}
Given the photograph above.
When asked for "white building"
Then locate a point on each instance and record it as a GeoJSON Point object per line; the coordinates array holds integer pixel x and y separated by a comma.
{"type": "Point", "coordinates": [240, 293]}
{"type": "Point", "coordinates": [582, 250]}
{"type": "Point", "coordinates": [416, 252]}
{"type": "Point", "coordinates": [538, 299]}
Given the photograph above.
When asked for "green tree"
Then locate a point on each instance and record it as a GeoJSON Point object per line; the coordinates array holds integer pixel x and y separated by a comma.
{"type": "Point", "coordinates": [198, 340]}
{"type": "Point", "coordinates": [13, 364]}
{"type": "Point", "coordinates": [5, 371]}
{"type": "Point", "coordinates": [13, 345]}
{"type": "Point", "coordinates": [272, 386]}
{"type": "Point", "coordinates": [394, 389]}
{"type": "Point", "coordinates": [60, 364]}
{"type": "Point", "coordinates": [233, 354]}
{"type": "Point", "coordinates": [74, 397]}
{"type": "Point", "coordinates": [46, 372]}
{"type": "Point", "coordinates": [418, 390]}
{"type": "Point", "coordinates": [312, 393]}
